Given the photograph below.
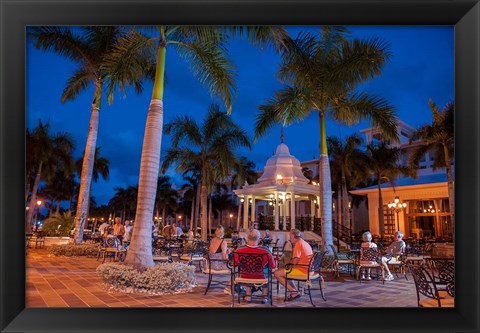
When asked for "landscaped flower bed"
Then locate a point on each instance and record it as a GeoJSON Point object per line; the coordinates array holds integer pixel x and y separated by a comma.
{"type": "Point", "coordinates": [163, 278]}
{"type": "Point", "coordinates": [71, 250]}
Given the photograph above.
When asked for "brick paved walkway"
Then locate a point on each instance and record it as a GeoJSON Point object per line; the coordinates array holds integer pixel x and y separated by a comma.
{"type": "Point", "coordinates": [72, 282]}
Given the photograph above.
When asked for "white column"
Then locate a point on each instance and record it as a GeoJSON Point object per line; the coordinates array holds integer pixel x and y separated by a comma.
{"type": "Point", "coordinates": [313, 212]}
{"type": "Point", "coordinates": [253, 214]}
{"type": "Point", "coordinates": [318, 207]}
{"type": "Point", "coordinates": [275, 212]}
{"type": "Point", "coordinates": [245, 212]}
{"type": "Point", "coordinates": [284, 211]}
{"type": "Point", "coordinates": [292, 210]}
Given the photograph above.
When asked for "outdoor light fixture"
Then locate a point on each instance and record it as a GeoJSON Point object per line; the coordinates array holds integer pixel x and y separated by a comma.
{"type": "Point", "coordinates": [250, 201]}
{"type": "Point", "coordinates": [398, 207]}
{"type": "Point", "coordinates": [242, 200]}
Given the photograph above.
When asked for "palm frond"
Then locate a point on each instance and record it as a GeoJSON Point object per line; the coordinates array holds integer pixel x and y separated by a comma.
{"type": "Point", "coordinates": [264, 36]}
{"type": "Point", "coordinates": [77, 83]}
{"type": "Point", "coordinates": [212, 68]}
{"type": "Point", "coordinates": [184, 129]}
{"type": "Point", "coordinates": [61, 40]}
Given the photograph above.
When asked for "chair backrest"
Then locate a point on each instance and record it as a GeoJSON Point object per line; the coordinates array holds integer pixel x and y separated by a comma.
{"type": "Point", "coordinates": [424, 282]}
{"type": "Point", "coordinates": [216, 262]}
{"type": "Point", "coordinates": [444, 270]}
{"type": "Point", "coordinates": [252, 263]}
{"type": "Point", "coordinates": [317, 261]}
{"type": "Point", "coordinates": [369, 254]}
{"type": "Point", "coordinates": [111, 242]}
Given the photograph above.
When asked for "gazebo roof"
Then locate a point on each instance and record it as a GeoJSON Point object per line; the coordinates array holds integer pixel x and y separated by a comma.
{"type": "Point", "coordinates": [282, 168]}
{"type": "Point", "coordinates": [282, 172]}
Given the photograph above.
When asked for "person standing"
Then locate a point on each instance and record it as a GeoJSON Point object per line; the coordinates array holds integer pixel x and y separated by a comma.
{"type": "Point", "coordinates": [302, 253]}
{"type": "Point", "coordinates": [119, 229]}
{"type": "Point", "coordinates": [176, 231]}
{"type": "Point", "coordinates": [128, 231]}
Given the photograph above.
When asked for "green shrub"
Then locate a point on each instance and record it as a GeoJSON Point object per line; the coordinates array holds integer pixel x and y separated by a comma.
{"type": "Point", "coordinates": [71, 250]}
{"type": "Point", "coordinates": [58, 224]}
{"type": "Point", "coordinates": [164, 278]}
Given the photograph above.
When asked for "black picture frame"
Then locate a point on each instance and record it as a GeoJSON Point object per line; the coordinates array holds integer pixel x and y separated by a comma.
{"type": "Point", "coordinates": [15, 15]}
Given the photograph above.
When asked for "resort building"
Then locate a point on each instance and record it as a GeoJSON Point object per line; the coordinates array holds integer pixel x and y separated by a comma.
{"type": "Point", "coordinates": [284, 198]}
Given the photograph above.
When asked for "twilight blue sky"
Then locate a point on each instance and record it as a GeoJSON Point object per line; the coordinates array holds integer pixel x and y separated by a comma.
{"type": "Point", "coordinates": [422, 67]}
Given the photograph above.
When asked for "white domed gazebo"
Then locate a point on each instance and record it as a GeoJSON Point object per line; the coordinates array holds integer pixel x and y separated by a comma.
{"type": "Point", "coordinates": [282, 185]}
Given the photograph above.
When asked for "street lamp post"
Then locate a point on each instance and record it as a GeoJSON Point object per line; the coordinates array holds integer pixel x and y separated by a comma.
{"type": "Point", "coordinates": [397, 206]}
{"type": "Point", "coordinates": [39, 202]}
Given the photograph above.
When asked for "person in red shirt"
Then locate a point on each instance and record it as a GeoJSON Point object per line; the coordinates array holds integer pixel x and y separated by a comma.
{"type": "Point", "coordinates": [302, 253]}
{"type": "Point", "coordinates": [252, 247]}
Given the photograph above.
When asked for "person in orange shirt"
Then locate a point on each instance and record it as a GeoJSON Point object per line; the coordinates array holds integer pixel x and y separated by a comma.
{"type": "Point", "coordinates": [302, 253]}
{"type": "Point", "coordinates": [118, 229]}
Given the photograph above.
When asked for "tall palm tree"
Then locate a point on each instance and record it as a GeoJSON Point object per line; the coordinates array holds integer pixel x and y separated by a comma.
{"type": "Point", "coordinates": [87, 47]}
{"type": "Point", "coordinates": [350, 163]}
{"type": "Point", "coordinates": [384, 165]}
{"type": "Point", "coordinates": [192, 193]}
{"type": "Point", "coordinates": [101, 167]}
{"type": "Point", "coordinates": [60, 188]}
{"type": "Point", "coordinates": [204, 49]}
{"type": "Point", "coordinates": [211, 146]}
{"type": "Point", "coordinates": [124, 200]}
{"type": "Point", "coordinates": [243, 171]}
{"type": "Point", "coordinates": [438, 138]}
{"type": "Point", "coordinates": [321, 74]}
{"type": "Point", "coordinates": [47, 154]}
{"type": "Point", "coordinates": [166, 198]}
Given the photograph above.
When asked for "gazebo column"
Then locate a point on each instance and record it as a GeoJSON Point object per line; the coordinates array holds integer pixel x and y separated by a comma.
{"type": "Point", "coordinates": [292, 210]}
{"type": "Point", "coordinates": [276, 213]}
{"type": "Point", "coordinates": [284, 211]}
{"type": "Point", "coordinates": [245, 212]}
{"type": "Point", "coordinates": [253, 214]}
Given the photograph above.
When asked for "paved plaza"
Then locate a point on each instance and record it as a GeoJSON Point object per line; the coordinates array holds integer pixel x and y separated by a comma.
{"type": "Point", "coordinates": [72, 282]}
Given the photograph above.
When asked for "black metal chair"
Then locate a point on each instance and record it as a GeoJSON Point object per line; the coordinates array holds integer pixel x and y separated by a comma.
{"type": "Point", "coordinates": [195, 255]}
{"type": "Point", "coordinates": [426, 286]}
{"type": "Point", "coordinates": [216, 267]}
{"type": "Point", "coordinates": [369, 258]}
{"type": "Point", "coordinates": [112, 249]}
{"type": "Point", "coordinates": [443, 273]}
{"type": "Point", "coordinates": [343, 259]}
{"type": "Point", "coordinates": [251, 270]}
{"type": "Point", "coordinates": [314, 268]}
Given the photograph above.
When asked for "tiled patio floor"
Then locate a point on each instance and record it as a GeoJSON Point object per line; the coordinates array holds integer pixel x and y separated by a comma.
{"type": "Point", "coordinates": [72, 282]}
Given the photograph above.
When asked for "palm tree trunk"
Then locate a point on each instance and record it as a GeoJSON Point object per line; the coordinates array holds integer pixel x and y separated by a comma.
{"type": "Point", "coordinates": [203, 214]}
{"type": "Point", "coordinates": [87, 166]}
{"type": "Point", "coordinates": [57, 210]}
{"type": "Point", "coordinates": [197, 207]}
{"type": "Point", "coordinates": [381, 221]}
{"type": "Point", "coordinates": [140, 251]}
{"type": "Point", "coordinates": [238, 216]}
{"type": "Point", "coordinates": [345, 208]}
{"type": "Point", "coordinates": [33, 199]}
{"type": "Point", "coordinates": [210, 215]}
{"type": "Point", "coordinates": [192, 213]}
{"type": "Point", "coordinates": [451, 189]}
{"type": "Point", "coordinates": [325, 187]}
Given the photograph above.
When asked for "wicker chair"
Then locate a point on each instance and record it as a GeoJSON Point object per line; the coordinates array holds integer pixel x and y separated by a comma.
{"type": "Point", "coordinates": [314, 269]}
{"type": "Point", "coordinates": [251, 264]}
{"type": "Point", "coordinates": [371, 255]}
{"type": "Point", "coordinates": [426, 286]}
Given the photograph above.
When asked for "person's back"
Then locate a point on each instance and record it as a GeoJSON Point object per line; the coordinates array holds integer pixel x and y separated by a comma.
{"type": "Point", "coordinates": [252, 249]}
{"type": "Point", "coordinates": [365, 258]}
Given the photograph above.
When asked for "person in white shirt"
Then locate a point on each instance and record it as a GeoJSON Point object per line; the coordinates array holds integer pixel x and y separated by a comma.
{"type": "Point", "coordinates": [128, 231]}
{"type": "Point", "coordinates": [177, 231]}
{"type": "Point", "coordinates": [102, 227]}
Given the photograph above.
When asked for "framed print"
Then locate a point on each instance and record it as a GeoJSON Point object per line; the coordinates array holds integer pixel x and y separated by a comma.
{"type": "Point", "coordinates": [459, 19]}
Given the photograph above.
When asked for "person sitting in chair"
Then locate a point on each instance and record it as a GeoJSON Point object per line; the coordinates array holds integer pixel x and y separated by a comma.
{"type": "Point", "coordinates": [396, 248]}
{"type": "Point", "coordinates": [367, 243]}
{"type": "Point", "coordinates": [302, 253]}
{"type": "Point", "coordinates": [252, 247]}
